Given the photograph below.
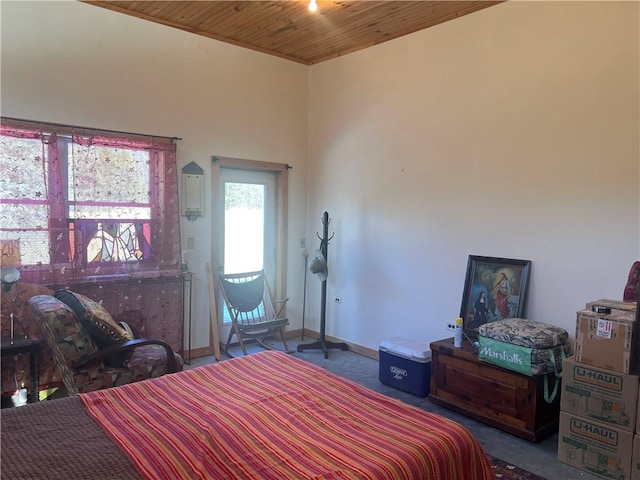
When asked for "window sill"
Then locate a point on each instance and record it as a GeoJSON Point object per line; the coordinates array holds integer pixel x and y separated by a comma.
{"type": "Point", "coordinates": [147, 277]}
{"type": "Point", "coordinates": [134, 275]}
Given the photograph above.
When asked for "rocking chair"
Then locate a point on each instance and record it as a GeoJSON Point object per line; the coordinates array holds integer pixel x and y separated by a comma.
{"type": "Point", "coordinates": [253, 314]}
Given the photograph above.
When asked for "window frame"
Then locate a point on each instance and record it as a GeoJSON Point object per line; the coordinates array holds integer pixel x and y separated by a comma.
{"type": "Point", "coordinates": [67, 235]}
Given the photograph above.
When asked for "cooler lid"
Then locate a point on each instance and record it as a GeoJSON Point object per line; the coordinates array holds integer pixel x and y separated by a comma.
{"type": "Point", "coordinates": [406, 348]}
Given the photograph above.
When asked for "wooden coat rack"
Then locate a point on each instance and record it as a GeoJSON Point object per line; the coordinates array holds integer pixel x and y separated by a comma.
{"type": "Point", "coordinates": [322, 343]}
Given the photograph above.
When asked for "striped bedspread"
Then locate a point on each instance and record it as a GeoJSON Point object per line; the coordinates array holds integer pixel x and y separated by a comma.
{"type": "Point", "coordinates": [272, 416]}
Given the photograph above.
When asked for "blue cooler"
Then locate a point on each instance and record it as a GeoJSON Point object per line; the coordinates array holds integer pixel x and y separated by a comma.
{"type": "Point", "coordinates": [405, 365]}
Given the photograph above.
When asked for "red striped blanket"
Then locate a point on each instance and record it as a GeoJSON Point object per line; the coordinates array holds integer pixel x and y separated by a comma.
{"type": "Point", "coordinates": [272, 416]}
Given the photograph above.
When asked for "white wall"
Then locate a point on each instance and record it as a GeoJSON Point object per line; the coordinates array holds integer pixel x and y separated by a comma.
{"type": "Point", "coordinates": [511, 132]}
{"type": "Point", "coordinates": [77, 64]}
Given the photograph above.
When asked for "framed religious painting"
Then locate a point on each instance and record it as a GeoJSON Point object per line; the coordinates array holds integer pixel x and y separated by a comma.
{"type": "Point", "coordinates": [494, 289]}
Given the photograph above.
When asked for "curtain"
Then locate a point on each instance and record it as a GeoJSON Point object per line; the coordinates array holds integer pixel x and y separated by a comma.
{"type": "Point", "coordinates": [94, 212]}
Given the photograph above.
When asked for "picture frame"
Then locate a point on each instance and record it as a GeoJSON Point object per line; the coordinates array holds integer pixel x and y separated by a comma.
{"type": "Point", "coordinates": [494, 288]}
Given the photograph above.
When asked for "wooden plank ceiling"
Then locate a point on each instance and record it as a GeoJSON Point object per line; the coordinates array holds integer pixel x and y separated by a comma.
{"type": "Point", "coordinates": [289, 30]}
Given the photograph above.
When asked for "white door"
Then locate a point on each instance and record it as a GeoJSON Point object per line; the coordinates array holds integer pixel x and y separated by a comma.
{"type": "Point", "coordinates": [248, 233]}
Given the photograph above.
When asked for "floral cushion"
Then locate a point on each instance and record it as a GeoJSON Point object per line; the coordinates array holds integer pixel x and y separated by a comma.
{"type": "Point", "coordinates": [526, 333]}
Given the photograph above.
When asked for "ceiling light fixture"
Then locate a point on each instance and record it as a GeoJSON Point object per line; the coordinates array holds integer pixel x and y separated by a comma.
{"type": "Point", "coordinates": [313, 6]}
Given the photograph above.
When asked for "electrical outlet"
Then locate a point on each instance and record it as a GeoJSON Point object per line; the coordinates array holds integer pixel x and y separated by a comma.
{"type": "Point", "coordinates": [450, 326]}
{"type": "Point", "coordinates": [337, 299]}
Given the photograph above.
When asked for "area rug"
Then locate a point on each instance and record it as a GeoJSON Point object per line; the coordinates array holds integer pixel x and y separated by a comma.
{"type": "Point", "coordinates": [505, 471]}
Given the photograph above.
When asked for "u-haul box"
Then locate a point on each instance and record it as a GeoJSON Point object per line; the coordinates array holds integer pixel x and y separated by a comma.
{"type": "Point", "coordinates": [594, 447]}
{"type": "Point", "coordinates": [600, 394]}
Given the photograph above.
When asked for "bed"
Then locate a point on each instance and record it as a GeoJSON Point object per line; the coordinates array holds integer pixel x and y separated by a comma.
{"type": "Point", "coordinates": [265, 416]}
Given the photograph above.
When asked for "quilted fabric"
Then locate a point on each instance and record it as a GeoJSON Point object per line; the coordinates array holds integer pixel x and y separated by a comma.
{"type": "Point", "coordinates": [526, 333]}
{"type": "Point", "coordinates": [58, 440]}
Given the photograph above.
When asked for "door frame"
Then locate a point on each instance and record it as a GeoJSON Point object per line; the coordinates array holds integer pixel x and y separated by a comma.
{"type": "Point", "coordinates": [281, 171]}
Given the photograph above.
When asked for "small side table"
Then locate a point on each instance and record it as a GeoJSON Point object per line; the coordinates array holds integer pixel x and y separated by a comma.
{"type": "Point", "coordinates": [32, 347]}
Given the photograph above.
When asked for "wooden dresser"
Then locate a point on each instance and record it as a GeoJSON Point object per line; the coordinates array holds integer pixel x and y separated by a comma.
{"type": "Point", "coordinates": [493, 395]}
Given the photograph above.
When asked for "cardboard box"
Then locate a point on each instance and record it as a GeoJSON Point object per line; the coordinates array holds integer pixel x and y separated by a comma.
{"type": "Point", "coordinates": [599, 394]}
{"type": "Point", "coordinates": [594, 447]}
{"type": "Point", "coordinates": [613, 305]}
{"type": "Point", "coordinates": [607, 340]}
{"type": "Point", "coordinates": [405, 365]}
{"type": "Point", "coordinates": [635, 459]}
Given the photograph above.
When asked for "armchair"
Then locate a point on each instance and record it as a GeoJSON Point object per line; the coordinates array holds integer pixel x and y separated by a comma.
{"type": "Point", "coordinates": [83, 365]}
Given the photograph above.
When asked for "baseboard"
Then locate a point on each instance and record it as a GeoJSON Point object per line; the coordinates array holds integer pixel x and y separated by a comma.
{"type": "Point", "coordinates": [359, 349]}
{"type": "Point", "coordinates": [354, 347]}
{"type": "Point", "coordinates": [198, 352]}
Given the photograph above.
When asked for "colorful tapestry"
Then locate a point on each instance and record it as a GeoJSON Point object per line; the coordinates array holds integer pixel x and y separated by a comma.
{"type": "Point", "coordinates": [272, 416]}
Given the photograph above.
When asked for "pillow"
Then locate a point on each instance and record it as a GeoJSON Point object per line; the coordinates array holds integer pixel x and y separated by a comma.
{"type": "Point", "coordinates": [98, 322]}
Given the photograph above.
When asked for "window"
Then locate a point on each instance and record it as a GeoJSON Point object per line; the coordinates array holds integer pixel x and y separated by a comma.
{"type": "Point", "coordinates": [108, 201]}
{"type": "Point", "coordinates": [24, 208]}
{"type": "Point", "coordinates": [74, 200]}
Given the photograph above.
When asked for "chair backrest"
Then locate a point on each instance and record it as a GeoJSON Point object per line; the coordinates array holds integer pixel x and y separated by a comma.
{"type": "Point", "coordinates": [247, 298]}
{"type": "Point", "coordinates": [69, 342]}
